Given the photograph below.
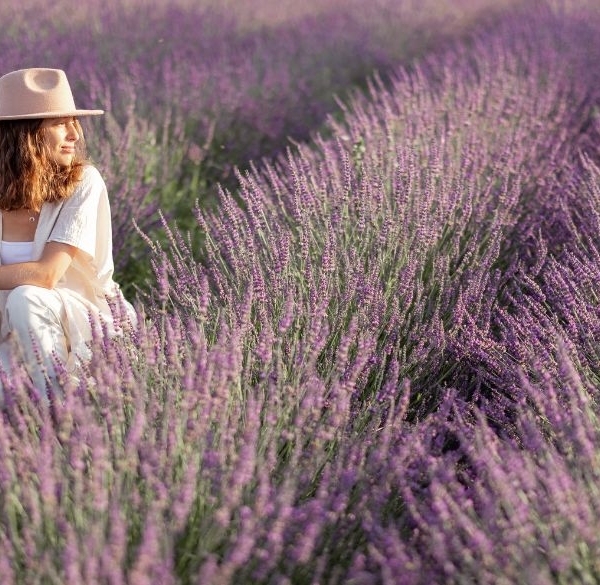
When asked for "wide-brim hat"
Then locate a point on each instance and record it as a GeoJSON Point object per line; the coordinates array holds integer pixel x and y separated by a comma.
{"type": "Point", "coordinates": [38, 93]}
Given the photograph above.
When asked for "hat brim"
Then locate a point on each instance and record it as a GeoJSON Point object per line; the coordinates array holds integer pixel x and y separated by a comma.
{"type": "Point", "coordinates": [41, 115]}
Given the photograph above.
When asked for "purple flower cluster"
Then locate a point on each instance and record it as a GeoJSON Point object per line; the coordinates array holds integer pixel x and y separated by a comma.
{"type": "Point", "coordinates": [381, 367]}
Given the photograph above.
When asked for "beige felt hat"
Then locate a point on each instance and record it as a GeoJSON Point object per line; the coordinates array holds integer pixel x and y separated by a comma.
{"type": "Point", "coordinates": [38, 93]}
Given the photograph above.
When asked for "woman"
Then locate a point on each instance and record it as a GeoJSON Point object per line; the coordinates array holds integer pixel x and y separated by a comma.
{"type": "Point", "coordinates": [56, 263]}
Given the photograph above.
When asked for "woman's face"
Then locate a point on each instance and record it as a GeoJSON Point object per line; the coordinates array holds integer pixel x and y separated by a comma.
{"type": "Point", "coordinates": [59, 136]}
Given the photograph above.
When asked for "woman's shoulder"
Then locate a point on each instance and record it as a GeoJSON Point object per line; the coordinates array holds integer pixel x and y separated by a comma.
{"type": "Point", "coordinates": [91, 175]}
{"type": "Point", "coordinates": [90, 187]}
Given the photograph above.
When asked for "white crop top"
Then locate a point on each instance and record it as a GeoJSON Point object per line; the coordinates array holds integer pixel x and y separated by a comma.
{"type": "Point", "coordinates": [13, 252]}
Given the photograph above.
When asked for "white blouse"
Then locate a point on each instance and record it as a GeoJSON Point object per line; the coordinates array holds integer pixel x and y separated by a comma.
{"type": "Point", "coordinates": [15, 252]}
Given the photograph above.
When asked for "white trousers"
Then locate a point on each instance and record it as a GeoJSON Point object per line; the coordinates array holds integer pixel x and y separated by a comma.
{"type": "Point", "coordinates": [36, 321]}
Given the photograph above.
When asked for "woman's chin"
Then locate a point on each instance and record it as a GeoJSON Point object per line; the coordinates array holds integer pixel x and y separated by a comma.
{"type": "Point", "coordinates": [64, 160]}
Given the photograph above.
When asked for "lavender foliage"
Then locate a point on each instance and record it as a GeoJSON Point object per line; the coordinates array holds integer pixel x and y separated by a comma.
{"type": "Point", "coordinates": [381, 367]}
{"type": "Point", "coordinates": [193, 89]}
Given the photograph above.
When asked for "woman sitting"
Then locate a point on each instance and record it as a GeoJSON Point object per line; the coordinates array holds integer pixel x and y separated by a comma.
{"type": "Point", "coordinates": [56, 265]}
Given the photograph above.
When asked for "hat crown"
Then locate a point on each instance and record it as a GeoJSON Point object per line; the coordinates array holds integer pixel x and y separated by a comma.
{"type": "Point", "coordinates": [37, 93]}
{"type": "Point", "coordinates": [42, 80]}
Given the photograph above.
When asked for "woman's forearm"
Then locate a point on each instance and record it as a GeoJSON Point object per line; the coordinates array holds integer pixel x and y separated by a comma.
{"type": "Point", "coordinates": [45, 272]}
{"type": "Point", "coordinates": [34, 273]}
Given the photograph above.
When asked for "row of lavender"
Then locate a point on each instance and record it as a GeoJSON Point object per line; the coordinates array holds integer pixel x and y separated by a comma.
{"type": "Point", "coordinates": [384, 368]}
{"type": "Point", "coordinates": [191, 89]}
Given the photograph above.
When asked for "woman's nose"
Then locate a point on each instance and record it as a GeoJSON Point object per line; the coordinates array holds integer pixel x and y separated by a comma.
{"type": "Point", "coordinates": [72, 133]}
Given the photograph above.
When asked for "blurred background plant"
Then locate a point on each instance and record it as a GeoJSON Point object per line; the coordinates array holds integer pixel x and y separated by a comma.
{"type": "Point", "coordinates": [371, 357]}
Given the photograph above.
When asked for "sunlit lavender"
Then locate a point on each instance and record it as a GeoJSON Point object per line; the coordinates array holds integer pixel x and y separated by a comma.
{"type": "Point", "coordinates": [372, 354]}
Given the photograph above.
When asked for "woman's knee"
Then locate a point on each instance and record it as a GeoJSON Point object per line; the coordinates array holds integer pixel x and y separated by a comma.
{"type": "Point", "coordinates": [22, 298]}
{"type": "Point", "coordinates": [26, 304]}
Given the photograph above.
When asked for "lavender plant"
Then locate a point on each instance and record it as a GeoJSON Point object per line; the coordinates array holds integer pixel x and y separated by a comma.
{"type": "Point", "coordinates": [380, 368]}
{"type": "Point", "coordinates": [194, 89]}
{"type": "Point", "coordinates": [402, 224]}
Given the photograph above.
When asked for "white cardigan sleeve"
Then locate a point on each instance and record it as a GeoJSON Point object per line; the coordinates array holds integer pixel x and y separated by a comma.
{"type": "Point", "coordinates": [77, 223]}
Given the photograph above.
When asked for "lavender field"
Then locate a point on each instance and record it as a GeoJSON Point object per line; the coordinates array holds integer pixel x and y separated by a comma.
{"type": "Point", "coordinates": [363, 244]}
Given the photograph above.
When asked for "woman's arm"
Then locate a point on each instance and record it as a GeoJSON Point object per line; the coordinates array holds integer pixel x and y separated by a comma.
{"type": "Point", "coordinates": [45, 272]}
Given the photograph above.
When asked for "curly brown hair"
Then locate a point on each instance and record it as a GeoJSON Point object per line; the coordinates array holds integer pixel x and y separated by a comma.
{"type": "Point", "coordinates": [28, 177]}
